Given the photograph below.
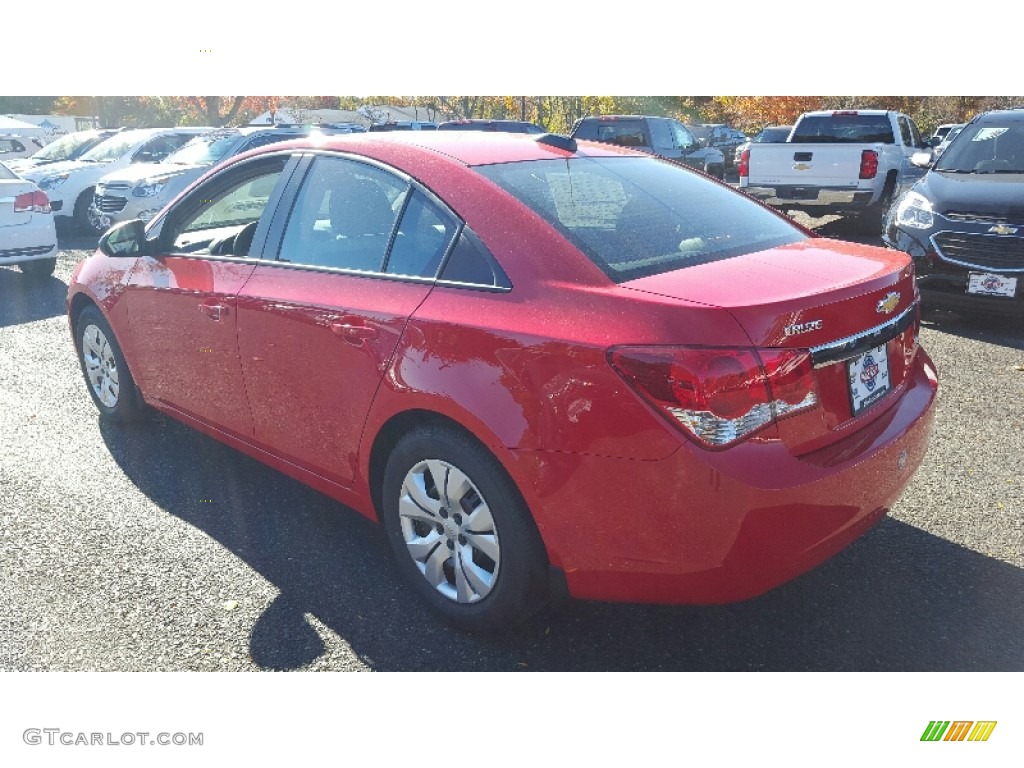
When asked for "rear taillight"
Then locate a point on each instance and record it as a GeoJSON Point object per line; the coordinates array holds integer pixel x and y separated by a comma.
{"type": "Point", "coordinates": [745, 163]}
{"type": "Point", "coordinates": [32, 202]}
{"type": "Point", "coordinates": [868, 164]}
{"type": "Point", "coordinates": [719, 396]}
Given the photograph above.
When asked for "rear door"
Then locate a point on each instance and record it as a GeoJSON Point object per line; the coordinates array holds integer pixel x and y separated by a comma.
{"type": "Point", "coordinates": [317, 327]}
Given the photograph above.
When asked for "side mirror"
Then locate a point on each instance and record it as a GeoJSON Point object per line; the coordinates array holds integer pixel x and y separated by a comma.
{"type": "Point", "coordinates": [934, 141]}
{"type": "Point", "coordinates": [125, 239]}
{"type": "Point", "coordinates": [922, 159]}
{"type": "Point", "coordinates": [702, 142]}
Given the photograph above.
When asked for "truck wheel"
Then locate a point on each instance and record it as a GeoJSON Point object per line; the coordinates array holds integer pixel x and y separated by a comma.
{"type": "Point", "coordinates": [872, 219]}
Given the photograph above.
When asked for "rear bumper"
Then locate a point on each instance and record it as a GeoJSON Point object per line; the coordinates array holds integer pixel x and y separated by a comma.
{"type": "Point", "coordinates": [795, 196]}
{"type": "Point", "coordinates": [704, 527]}
{"type": "Point", "coordinates": [33, 241]}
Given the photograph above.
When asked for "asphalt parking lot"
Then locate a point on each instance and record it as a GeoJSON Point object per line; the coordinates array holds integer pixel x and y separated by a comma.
{"type": "Point", "coordinates": [156, 548]}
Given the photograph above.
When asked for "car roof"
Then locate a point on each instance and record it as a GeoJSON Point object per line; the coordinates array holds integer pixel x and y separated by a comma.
{"type": "Point", "coordinates": [467, 147]}
{"type": "Point", "coordinates": [1016, 115]}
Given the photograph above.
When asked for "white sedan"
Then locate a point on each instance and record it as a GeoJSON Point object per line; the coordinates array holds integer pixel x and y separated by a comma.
{"type": "Point", "coordinates": [28, 236]}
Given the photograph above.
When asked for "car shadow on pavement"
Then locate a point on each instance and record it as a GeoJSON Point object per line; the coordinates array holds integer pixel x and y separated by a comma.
{"type": "Point", "coordinates": [27, 299]}
{"type": "Point", "coordinates": [1005, 331]}
{"type": "Point", "coordinates": [898, 599]}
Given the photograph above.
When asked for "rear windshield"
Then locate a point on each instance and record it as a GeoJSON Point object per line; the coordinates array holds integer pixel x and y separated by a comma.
{"type": "Point", "coordinates": [844, 129]}
{"type": "Point", "coordinates": [640, 216]}
{"type": "Point", "coordinates": [773, 135]}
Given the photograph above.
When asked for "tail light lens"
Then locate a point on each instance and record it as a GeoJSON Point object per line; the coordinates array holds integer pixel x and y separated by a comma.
{"type": "Point", "coordinates": [719, 396]}
{"type": "Point", "coordinates": [868, 164]}
{"type": "Point", "coordinates": [745, 163]}
{"type": "Point", "coordinates": [32, 202]}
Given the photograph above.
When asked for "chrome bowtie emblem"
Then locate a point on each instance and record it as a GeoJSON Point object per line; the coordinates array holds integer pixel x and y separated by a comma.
{"type": "Point", "coordinates": [888, 304]}
{"type": "Point", "coordinates": [1002, 229]}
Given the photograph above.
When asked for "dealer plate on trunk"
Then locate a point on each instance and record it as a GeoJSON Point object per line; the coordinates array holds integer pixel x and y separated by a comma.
{"type": "Point", "coordinates": [869, 378]}
{"type": "Point", "coordinates": [991, 285]}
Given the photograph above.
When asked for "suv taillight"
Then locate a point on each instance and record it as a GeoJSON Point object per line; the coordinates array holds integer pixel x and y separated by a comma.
{"type": "Point", "coordinates": [868, 164]}
{"type": "Point", "coordinates": [745, 163]}
{"type": "Point", "coordinates": [32, 202]}
{"type": "Point", "coordinates": [719, 396]}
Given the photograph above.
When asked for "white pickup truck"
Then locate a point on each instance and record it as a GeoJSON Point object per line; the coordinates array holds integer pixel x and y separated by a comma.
{"type": "Point", "coordinates": [849, 162]}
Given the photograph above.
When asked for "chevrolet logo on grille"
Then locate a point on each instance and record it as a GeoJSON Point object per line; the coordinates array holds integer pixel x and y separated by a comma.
{"type": "Point", "coordinates": [888, 304]}
{"type": "Point", "coordinates": [1002, 229]}
{"type": "Point", "coordinates": [801, 167]}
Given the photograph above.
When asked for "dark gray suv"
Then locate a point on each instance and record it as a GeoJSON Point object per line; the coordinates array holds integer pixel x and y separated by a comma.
{"type": "Point", "coordinates": [660, 136]}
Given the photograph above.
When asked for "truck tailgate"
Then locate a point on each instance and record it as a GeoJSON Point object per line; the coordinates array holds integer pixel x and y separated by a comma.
{"type": "Point", "coordinates": [806, 165]}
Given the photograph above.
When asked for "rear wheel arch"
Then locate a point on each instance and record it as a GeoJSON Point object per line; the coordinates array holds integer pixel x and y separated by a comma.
{"type": "Point", "coordinates": [399, 425]}
{"type": "Point", "coordinates": [497, 564]}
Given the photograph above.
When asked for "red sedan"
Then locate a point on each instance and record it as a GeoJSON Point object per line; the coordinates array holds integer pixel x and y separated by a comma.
{"type": "Point", "coordinates": [538, 364]}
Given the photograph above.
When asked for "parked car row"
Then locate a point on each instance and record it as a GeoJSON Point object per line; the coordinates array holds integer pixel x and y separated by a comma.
{"type": "Point", "coordinates": [141, 190]}
{"type": "Point", "coordinates": [70, 184]}
{"type": "Point", "coordinates": [419, 321]}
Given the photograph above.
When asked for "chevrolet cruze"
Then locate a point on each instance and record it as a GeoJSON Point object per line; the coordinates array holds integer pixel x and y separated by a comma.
{"type": "Point", "coordinates": [540, 364]}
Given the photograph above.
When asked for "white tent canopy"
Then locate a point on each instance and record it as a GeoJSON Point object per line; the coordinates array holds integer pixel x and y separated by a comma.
{"type": "Point", "coordinates": [10, 125]}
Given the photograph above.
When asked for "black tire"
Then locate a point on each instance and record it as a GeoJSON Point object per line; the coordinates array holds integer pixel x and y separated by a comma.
{"type": "Point", "coordinates": [715, 170]}
{"type": "Point", "coordinates": [469, 588]}
{"type": "Point", "coordinates": [80, 218]}
{"type": "Point", "coordinates": [871, 220]}
{"type": "Point", "coordinates": [38, 269]}
{"type": "Point", "coordinates": [107, 377]}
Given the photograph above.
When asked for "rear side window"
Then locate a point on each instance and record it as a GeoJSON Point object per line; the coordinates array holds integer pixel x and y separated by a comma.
{"type": "Point", "coordinates": [625, 133]}
{"type": "Point", "coordinates": [640, 216]}
{"type": "Point", "coordinates": [844, 129]}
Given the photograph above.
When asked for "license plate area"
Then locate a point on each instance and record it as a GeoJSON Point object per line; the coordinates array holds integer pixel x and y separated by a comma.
{"type": "Point", "coordinates": [985, 284]}
{"type": "Point", "coordinates": [868, 375]}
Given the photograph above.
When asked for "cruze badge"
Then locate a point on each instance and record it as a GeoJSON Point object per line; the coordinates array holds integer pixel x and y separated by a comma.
{"type": "Point", "coordinates": [1002, 229]}
{"type": "Point", "coordinates": [797, 328]}
{"type": "Point", "coordinates": [888, 304]}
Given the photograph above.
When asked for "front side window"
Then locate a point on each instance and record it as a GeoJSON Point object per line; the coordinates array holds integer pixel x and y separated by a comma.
{"type": "Point", "coordinates": [221, 217]}
{"type": "Point", "coordinates": [344, 216]}
{"type": "Point", "coordinates": [684, 139]}
{"type": "Point", "coordinates": [640, 216]}
{"type": "Point", "coordinates": [661, 134]}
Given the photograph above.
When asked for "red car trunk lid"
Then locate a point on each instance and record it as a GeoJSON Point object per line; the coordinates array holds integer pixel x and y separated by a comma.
{"type": "Point", "coordinates": [842, 301]}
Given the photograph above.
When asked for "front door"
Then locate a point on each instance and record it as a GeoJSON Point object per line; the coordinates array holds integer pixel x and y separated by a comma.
{"type": "Point", "coordinates": [181, 300]}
